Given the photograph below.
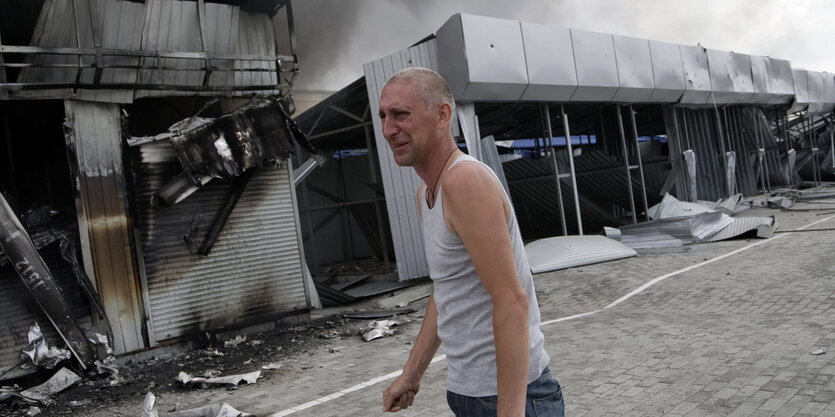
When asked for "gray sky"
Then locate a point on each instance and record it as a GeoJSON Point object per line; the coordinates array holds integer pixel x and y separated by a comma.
{"type": "Point", "coordinates": [336, 37]}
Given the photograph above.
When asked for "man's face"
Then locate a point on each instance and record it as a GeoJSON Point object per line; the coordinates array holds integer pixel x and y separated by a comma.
{"type": "Point", "coordinates": [408, 125]}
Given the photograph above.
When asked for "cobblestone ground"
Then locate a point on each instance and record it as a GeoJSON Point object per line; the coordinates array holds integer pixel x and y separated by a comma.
{"type": "Point", "coordinates": [729, 337]}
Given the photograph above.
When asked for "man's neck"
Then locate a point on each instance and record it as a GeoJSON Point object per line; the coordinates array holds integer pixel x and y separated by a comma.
{"type": "Point", "coordinates": [435, 163]}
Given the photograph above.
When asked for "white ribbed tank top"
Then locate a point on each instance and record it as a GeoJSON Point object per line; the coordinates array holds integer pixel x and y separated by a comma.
{"type": "Point", "coordinates": [465, 309]}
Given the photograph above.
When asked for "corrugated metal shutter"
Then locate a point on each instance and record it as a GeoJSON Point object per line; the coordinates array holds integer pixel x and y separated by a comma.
{"type": "Point", "coordinates": [400, 183]}
{"type": "Point", "coordinates": [254, 270]}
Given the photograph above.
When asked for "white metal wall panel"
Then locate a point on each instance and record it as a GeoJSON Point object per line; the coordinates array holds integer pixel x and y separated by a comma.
{"type": "Point", "coordinates": [760, 75]}
{"type": "Point", "coordinates": [668, 72]}
{"type": "Point", "coordinates": [254, 270]}
{"type": "Point", "coordinates": [597, 68]}
{"type": "Point", "coordinates": [483, 58]}
{"type": "Point", "coordinates": [96, 148]}
{"type": "Point", "coordinates": [814, 80]}
{"type": "Point", "coordinates": [400, 183]}
{"type": "Point", "coordinates": [781, 81]}
{"type": "Point", "coordinates": [634, 63]}
{"type": "Point", "coordinates": [828, 92]}
{"type": "Point", "coordinates": [696, 74]}
{"type": "Point", "coordinates": [721, 67]}
{"type": "Point", "coordinates": [801, 90]}
{"type": "Point", "coordinates": [549, 55]}
{"type": "Point", "coordinates": [741, 76]}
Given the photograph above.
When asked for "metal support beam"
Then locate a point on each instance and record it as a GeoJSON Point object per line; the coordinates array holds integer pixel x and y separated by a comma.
{"type": "Point", "coordinates": [626, 165]}
{"type": "Point", "coordinates": [640, 162]}
{"type": "Point", "coordinates": [570, 165]}
{"type": "Point", "coordinates": [238, 190]}
{"type": "Point", "coordinates": [372, 169]}
{"type": "Point", "coordinates": [553, 155]}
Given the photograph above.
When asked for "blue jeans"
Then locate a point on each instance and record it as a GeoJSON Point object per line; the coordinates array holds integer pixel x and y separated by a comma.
{"type": "Point", "coordinates": [544, 400]}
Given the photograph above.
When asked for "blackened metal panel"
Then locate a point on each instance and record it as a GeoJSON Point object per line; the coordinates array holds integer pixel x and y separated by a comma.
{"type": "Point", "coordinates": [696, 75]}
{"type": "Point", "coordinates": [668, 72]}
{"type": "Point", "coordinates": [634, 70]}
{"type": "Point", "coordinates": [254, 271]}
{"type": "Point", "coordinates": [19, 310]}
{"type": "Point", "coordinates": [482, 57]}
{"type": "Point", "coordinates": [115, 24]}
{"type": "Point", "coordinates": [597, 68]}
{"type": "Point", "coordinates": [94, 140]}
{"type": "Point", "coordinates": [400, 184]}
{"type": "Point", "coordinates": [552, 74]}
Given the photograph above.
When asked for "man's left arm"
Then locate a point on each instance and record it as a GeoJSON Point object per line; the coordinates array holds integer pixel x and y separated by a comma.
{"type": "Point", "coordinates": [476, 209]}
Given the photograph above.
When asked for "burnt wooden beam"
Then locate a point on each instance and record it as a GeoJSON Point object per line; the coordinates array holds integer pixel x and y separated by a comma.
{"type": "Point", "coordinates": [223, 217]}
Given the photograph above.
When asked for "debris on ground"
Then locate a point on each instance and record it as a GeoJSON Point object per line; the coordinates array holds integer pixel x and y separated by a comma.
{"type": "Point", "coordinates": [817, 351]}
{"type": "Point", "coordinates": [271, 366]}
{"type": "Point", "coordinates": [378, 314]}
{"type": "Point", "coordinates": [231, 380]}
{"type": "Point", "coordinates": [211, 410]}
{"type": "Point", "coordinates": [235, 342]}
{"type": "Point", "coordinates": [378, 329]}
{"type": "Point", "coordinates": [40, 353]}
{"type": "Point", "coordinates": [42, 393]}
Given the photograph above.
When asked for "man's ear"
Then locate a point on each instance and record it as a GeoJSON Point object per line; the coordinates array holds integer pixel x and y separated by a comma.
{"type": "Point", "coordinates": [444, 114]}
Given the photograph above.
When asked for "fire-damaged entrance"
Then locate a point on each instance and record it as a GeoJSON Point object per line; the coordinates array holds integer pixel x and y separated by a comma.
{"type": "Point", "coordinates": [146, 172]}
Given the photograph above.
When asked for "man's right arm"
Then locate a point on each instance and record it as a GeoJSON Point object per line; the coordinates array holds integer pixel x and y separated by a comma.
{"type": "Point", "coordinates": [401, 393]}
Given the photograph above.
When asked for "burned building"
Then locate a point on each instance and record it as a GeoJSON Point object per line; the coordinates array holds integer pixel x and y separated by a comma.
{"type": "Point", "coordinates": [146, 146]}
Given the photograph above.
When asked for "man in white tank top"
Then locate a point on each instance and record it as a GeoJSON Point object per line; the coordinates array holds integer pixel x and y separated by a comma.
{"type": "Point", "coordinates": [483, 307]}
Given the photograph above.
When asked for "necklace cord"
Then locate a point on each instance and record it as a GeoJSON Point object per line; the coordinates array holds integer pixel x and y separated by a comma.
{"type": "Point", "coordinates": [435, 184]}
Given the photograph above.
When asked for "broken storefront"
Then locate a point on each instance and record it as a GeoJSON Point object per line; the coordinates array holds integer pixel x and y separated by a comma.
{"type": "Point", "coordinates": [150, 234]}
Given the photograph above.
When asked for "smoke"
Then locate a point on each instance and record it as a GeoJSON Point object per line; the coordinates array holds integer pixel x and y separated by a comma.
{"type": "Point", "coordinates": [336, 37]}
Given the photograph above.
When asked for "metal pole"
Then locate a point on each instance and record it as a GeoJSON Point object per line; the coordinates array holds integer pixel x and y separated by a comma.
{"type": "Point", "coordinates": [372, 165]}
{"type": "Point", "coordinates": [640, 161]}
{"type": "Point", "coordinates": [680, 151]}
{"type": "Point", "coordinates": [557, 180]}
{"type": "Point", "coordinates": [626, 163]}
{"type": "Point", "coordinates": [570, 166]}
{"type": "Point", "coordinates": [720, 130]}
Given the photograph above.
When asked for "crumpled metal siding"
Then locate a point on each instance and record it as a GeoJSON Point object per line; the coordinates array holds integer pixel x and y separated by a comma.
{"type": "Point", "coordinates": [563, 252]}
{"type": "Point", "coordinates": [254, 270]}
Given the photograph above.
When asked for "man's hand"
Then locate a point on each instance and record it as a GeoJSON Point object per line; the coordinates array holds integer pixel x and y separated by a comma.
{"type": "Point", "coordinates": [400, 394]}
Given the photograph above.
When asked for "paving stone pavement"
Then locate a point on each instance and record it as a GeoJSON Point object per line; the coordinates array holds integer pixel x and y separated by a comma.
{"type": "Point", "coordinates": [728, 338]}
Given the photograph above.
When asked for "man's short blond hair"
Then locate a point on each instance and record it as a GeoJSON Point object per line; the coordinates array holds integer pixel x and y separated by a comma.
{"type": "Point", "coordinates": [429, 86]}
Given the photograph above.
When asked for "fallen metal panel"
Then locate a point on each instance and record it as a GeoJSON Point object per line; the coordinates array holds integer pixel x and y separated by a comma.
{"type": "Point", "coordinates": [483, 58]}
{"type": "Point", "coordinates": [697, 75]}
{"type": "Point", "coordinates": [672, 207]}
{"type": "Point", "coordinates": [549, 54]}
{"type": "Point", "coordinates": [668, 72]}
{"type": "Point", "coordinates": [39, 281]}
{"type": "Point", "coordinates": [764, 226]}
{"type": "Point", "coordinates": [597, 67]}
{"type": "Point", "coordinates": [634, 64]}
{"type": "Point", "coordinates": [674, 231]}
{"type": "Point", "coordinates": [563, 252]}
{"type": "Point", "coordinates": [19, 314]}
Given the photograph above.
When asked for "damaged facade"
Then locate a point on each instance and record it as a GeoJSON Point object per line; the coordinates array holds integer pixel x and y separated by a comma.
{"type": "Point", "coordinates": [590, 130]}
{"type": "Point", "coordinates": [159, 193]}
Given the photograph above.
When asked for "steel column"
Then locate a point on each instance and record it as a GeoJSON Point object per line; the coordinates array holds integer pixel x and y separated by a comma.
{"type": "Point", "coordinates": [626, 163]}
{"type": "Point", "coordinates": [560, 203]}
{"type": "Point", "coordinates": [570, 166]}
{"type": "Point", "coordinates": [640, 161]}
